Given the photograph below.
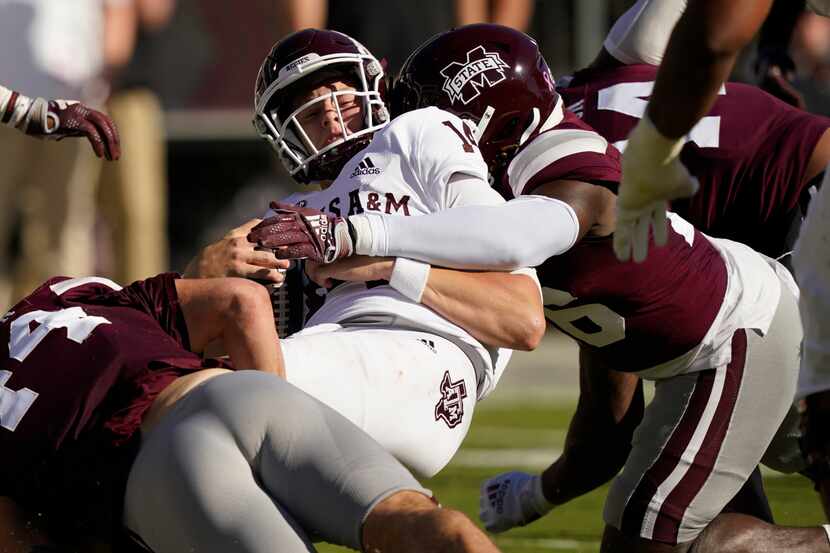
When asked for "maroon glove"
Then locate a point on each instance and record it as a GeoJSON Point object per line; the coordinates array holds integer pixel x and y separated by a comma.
{"type": "Point", "coordinates": [60, 119]}
{"type": "Point", "coordinates": [303, 233]}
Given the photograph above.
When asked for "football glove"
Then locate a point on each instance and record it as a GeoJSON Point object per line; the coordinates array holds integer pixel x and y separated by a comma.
{"type": "Point", "coordinates": [652, 175]}
{"type": "Point", "coordinates": [304, 233]}
{"type": "Point", "coordinates": [58, 119]}
{"type": "Point", "coordinates": [511, 499]}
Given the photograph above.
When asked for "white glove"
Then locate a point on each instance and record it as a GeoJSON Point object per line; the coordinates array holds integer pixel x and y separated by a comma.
{"type": "Point", "coordinates": [511, 499]}
{"type": "Point", "coordinates": [652, 175]}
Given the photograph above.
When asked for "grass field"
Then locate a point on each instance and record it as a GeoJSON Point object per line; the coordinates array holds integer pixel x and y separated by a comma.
{"type": "Point", "coordinates": [506, 436]}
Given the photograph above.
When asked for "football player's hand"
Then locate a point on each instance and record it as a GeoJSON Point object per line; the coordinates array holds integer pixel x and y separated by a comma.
{"type": "Point", "coordinates": [651, 176]}
{"type": "Point", "coordinates": [815, 423]}
{"type": "Point", "coordinates": [304, 233]}
{"type": "Point", "coordinates": [60, 119]}
{"type": "Point", "coordinates": [234, 255]}
{"type": "Point", "coordinates": [358, 268]}
{"type": "Point", "coordinates": [775, 71]}
{"type": "Point", "coordinates": [511, 499]}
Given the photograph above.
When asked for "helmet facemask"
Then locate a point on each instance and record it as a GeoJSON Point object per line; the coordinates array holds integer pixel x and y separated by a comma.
{"type": "Point", "coordinates": [280, 122]}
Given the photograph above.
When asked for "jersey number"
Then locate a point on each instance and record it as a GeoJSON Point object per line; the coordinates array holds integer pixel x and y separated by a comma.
{"type": "Point", "coordinates": [23, 340]}
{"type": "Point", "coordinates": [468, 141]}
{"type": "Point", "coordinates": [631, 99]}
{"type": "Point", "coordinates": [593, 323]}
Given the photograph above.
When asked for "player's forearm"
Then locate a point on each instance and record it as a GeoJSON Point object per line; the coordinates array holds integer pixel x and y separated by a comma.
{"type": "Point", "coordinates": [777, 30]}
{"type": "Point", "coordinates": [599, 436]}
{"type": "Point", "coordinates": [700, 55]}
{"type": "Point", "coordinates": [498, 309]}
{"type": "Point", "coordinates": [521, 233]}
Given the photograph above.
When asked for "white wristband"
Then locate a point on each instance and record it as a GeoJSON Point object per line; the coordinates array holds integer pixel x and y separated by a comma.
{"type": "Point", "coordinates": [826, 528]}
{"type": "Point", "coordinates": [363, 234]}
{"type": "Point", "coordinates": [410, 277]}
{"type": "Point", "coordinates": [538, 499]}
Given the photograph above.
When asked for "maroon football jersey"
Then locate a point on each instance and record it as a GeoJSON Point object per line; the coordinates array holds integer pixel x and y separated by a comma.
{"type": "Point", "coordinates": [81, 359]}
{"type": "Point", "coordinates": [635, 316]}
{"type": "Point", "coordinates": [750, 153]}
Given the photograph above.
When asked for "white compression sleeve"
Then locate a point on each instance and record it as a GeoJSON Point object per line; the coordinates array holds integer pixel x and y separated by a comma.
{"type": "Point", "coordinates": [520, 233]}
{"type": "Point", "coordinates": [642, 33]}
{"type": "Point", "coordinates": [811, 261]}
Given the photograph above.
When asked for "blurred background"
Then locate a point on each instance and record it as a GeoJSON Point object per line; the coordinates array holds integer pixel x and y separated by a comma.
{"type": "Point", "coordinates": [177, 76]}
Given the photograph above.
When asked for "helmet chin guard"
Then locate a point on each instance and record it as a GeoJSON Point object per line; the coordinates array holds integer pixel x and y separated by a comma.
{"type": "Point", "coordinates": [295, 65]}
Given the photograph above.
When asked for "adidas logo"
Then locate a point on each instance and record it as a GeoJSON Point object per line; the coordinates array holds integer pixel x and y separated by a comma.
{"type": "Point", "coordinates": [365, 167]}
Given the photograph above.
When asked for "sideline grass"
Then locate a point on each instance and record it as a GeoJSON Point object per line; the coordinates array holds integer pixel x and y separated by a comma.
{"type": "Point", "coordinates": [575, 527]}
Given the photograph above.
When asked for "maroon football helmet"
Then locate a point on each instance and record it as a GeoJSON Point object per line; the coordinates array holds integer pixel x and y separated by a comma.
{"type": "Point", "coordinates": [491, 74]}
{"type": "Point", "coordinates": [297, 64]}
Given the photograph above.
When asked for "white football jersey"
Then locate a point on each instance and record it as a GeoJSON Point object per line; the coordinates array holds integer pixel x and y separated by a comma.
{"type": "Point", "coordinates": [405, 171]}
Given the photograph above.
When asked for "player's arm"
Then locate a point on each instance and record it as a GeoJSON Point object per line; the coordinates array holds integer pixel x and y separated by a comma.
{"type": "Point", "coordinates": [495, 236]}
{"type": "Point", "coordinates": [236, 311]}
{"type": "Point", "coordinates": [499, 309]}
{"type": "Point", "coordinates": [610, 407]}
{"type": "Point", "coordinates": [774, 68]}
{"type": "Point", "coordinates": [233, 255]}
{"type": "Point", "coordinates": [699, 58]}
{"type": "Point", "coordinates": [598, 441]}
{"type": "Point", "coordinates": [520, 233]}
{"type": "Point", "coordinates": [59, 119]}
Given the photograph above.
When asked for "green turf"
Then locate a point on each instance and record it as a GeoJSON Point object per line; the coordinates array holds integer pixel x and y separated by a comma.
{"type": "Point", "coordinates": [574, 527]}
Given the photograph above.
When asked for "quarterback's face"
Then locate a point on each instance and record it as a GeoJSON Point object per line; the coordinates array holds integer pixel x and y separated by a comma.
{"type": "Point", "coordinates": [321, 120]}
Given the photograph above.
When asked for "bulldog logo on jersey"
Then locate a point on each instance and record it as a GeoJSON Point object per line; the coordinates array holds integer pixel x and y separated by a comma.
{"type": "Point", "coordinates": [464, 80]}
{"type": "Point", "coordinates": [450, 408]}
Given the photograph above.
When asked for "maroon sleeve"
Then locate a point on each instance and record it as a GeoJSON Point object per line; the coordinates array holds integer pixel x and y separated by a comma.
{"type": "Point", "coordinates": [157, 297]}
{"type": "Point", "coordinates": [602, 169]}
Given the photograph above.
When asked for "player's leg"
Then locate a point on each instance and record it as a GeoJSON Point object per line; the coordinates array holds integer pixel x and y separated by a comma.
{"type": "Point", "coordinates": [813, 272]}
{"type": "Point", "coordinates": [411, 391]}
{"type": "Point", "coordinates": [701, 438]}
{"type": "Point", "coordinates": [221, 471]}
{"type": "Point", "coordinates": [192, 488]}
{"type": "Point", "coordinates": [237, 312]}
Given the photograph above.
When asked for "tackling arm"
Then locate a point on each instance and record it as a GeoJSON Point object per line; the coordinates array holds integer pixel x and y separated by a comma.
{"type": "Point", "coordinates": [610, 407]}
{"type": "Point", "coordinates": [499, 309]}
{"type": "Point", "coordinates": [236, 311]}
{"type": "Point", "coordinates": [598, 442]}
{"type": "Point", "coordinates": [521, 233]}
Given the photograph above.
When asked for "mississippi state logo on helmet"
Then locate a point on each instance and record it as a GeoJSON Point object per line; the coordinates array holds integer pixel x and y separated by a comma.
{"type": "Point", "coordinates": [450, 408]}
{"type": "Point", "coordinates": [490, 74]}
{"type": "Point", "coordinates": [464, 80]}
{"type": "Point", "coordinates": [295, 65]}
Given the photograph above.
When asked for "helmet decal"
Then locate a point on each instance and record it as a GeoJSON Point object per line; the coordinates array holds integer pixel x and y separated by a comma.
{"type": "Point", "coordinates": [464, 80]}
